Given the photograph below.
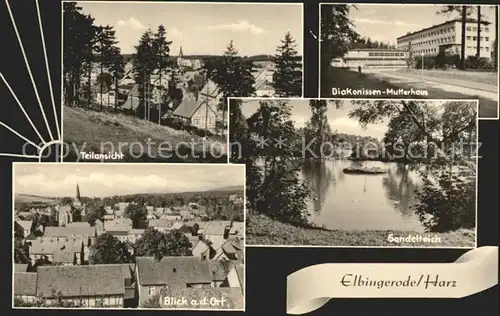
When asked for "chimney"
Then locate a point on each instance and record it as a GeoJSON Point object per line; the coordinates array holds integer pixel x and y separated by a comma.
{"type": "Point", "coordinates": [174, 270]}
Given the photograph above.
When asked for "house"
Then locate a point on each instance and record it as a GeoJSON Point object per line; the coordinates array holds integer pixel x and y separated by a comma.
{"type": "Point", "coordinates": [233, 298]}
{"type": "Point", "coordinates": [237, 229]}
{"type": "Point", "coordinates": [66, 233]}
{"type": "Point", "coordinates": [202, 250]}
{"type": "Point", "coordinates": [94, 285]}
{"type": "Point", "coordinates": [219, 272]}
{"type": "Point", "coordinates": [217, 228]}
{"type": "Point", "coordinates": [135, 234]}
{"type": "Point", "coordinates": [64, 251]}
{"type": "Point", "coordinates": [118, 224]}
{"type": "Point", "coordinates": [64, 214]}
{"type": "Point", "coordinates": [171, 218]}
{"type": "Point", "coordinates": [150, 209]}
{"type": "Point", "coordinates": [173, 272]}
{"type": "Point", "coordinates": [99, 225]}
{"type": "Point", "coordinates": [264, 88]}
{"type": "Point", "coordinates": [78, 224]}
{"type": "Point", "coordinates": [24, 227]}
{"type": "Point", "coordinates": [20, 267]}
{"type": "Point", "coordinates": [25, 286]}
{"type": "Point", "coordinates": [235, 278]}
{"type": "Point", "coordinates": [161, 225]}
{"type": "Point", "coordinates": [104, 95]}
{"type": "Point", "coordinates": [108, 209]}
{"type": "Point", "coordinates": [198, 113]}
{"type": "Point", "coordinates": [121, 206]}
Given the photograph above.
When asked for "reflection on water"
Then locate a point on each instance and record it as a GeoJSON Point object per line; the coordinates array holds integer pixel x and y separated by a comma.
{"type": "Point", "coordinates": [362, 202]}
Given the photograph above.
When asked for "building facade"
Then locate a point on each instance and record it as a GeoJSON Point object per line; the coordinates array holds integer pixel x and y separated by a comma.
{"type": "Point", "coordinates": [374, 58]}
{"type": "Point", "coordinates": [447, 37]}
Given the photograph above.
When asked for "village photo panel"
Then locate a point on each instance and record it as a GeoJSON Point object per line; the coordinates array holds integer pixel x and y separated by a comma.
{"type": "Point", "coordinates": [410, 51]}
{"type": "Point", "coordinates": [358, 172]}
{"type": "Point", "coordinates": [141, 236]}
{"type": "Point", "coordinates": [149, 81]}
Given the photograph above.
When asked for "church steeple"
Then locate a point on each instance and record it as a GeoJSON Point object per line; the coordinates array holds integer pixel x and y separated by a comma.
{"type": "Point", "coordinates": [180, 53]}
{"type": "Point", "coordinates": [77, 192]}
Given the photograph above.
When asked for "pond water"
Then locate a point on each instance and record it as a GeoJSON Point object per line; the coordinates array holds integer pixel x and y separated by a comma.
{"type": "Point", "coordinates": [362, 202]}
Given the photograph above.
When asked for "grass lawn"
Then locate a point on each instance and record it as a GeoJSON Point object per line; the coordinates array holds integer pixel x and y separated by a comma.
{"type": "Point", "coordinates": [261, 230]}
{"type": "Point", "coordinates": [486, 77]}
{"type": "Point", "coordinates": [92, 131]}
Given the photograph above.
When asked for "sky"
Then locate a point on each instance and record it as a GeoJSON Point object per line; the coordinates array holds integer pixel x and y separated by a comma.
{"type": "Point", "coordinates": [202, 28]}
{"type": "Point", "coordinates": [388, 22]}
{"type": "Point", "coordinates": [337, 118]}
{"type": "Point", "coordinates": [100, 180]}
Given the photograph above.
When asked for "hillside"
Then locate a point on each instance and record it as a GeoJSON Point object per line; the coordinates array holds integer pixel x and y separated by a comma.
{"type": "Point", "coordinates": [28, 199]}
{"type": "Point", "coordinates": [88, 131]}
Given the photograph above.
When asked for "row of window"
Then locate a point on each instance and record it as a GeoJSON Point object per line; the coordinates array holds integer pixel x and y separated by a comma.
{"type": "Point", "coordinates": [474, 38]}
{"type": "Point", "coordinates": [388, 54]}
{"type": "Point", "coordinates": [441, 40]}
{"type": "Point", "coordinates": [197, 121]}
{"type": "Point", "coordinates": [446, 30]}
{"type": "Point", "coordinates": [474, 29]}
{"type": "Point", "coordinates": [480, 48]}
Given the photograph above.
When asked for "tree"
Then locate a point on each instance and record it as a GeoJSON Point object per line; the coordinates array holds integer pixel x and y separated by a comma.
{"type": "Point", "coordinates": [105, 48]}
{"type": "Point", "coordinates": [410, 59]}
{"type": "Point", "coordinates": [116, 69]}
{"type": "Point", "coordinates": [317, 128]}
{"type": "Point", "coordinates": [233, 76]}
{"type": "Point", "coordinates": [21, 251]}
{"type": "Point", "coordinates": [78, 36]}
{"type": "Point", "coordinates": [137, 213]}
{"type": "Point", "coordinates": [153, 243]}
{"type": "Point", "coordinates": [337, 32]}
{"type": "Point", "coordinates": [144, 61]}
{"type": "Point", "coordinates": [464, 11]}
{"type": "Point", "coordinates": [288, 76]}
{"type": "Point", "coordinates": [108, 249]}
{"type": "Point", "coordinates": [161, 49]}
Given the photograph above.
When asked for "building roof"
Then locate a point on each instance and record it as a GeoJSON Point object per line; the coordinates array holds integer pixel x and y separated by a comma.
{"type": "Point", "coordinates": [52, 231]}
{"type": "Point", "coordinates": [49, 246]}
{"type": "Point", "coordinates": [173, 271]}
{"type": "Point", "coordinates": [216, 227]}
{"type": "Point", "coordinates": [240, 272]}
{"type": "Point", "coordinates": [210, 89]}
{"type": "Point", "coordinates": [64, 256]}
{"type": "Point", "coordinates": [233, 297]}
{"type": "Point", "coordinates": [25, 224]}
{"type": "Point", "coordinates": [160, 223]}
{"type": "Point", "coordinates": [20, 267]}
{"type": "Point", "coordinates": [75, 281]}
{"type": "Point", "coordinates": [218, 270]}
{"type": "Point", "coordinates": [237, 228]}
{"type": "Point", "coordinates": [469, 20]}
{"type": "Point", "coordinates": [118, 224]}
{"type": "Point", "coordinates": [189, 106]}
{"type": "Point", "coordinates": [78, 224]}
{"type": "Point", "coordinates": [25, 283]}
{"type": "Point", "coordinates": [264, 85]}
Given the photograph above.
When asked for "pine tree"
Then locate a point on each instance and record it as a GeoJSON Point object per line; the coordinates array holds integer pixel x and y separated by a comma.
{"type": "Point", "coordinates": [105, 45]}
{"type": "Point", "coordinates": [144, 62]}
{"type": "Point", "coordinates": [288, 76]}
{"type": "Point", "coordinates": [161, 49]}
{"type": "Point", "coordinates": [233, 75]}
{"type": "Point", "coordinates": [117, 69]}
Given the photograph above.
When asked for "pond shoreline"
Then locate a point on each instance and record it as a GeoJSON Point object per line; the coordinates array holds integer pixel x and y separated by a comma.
{"type": "Point", "coordinates": [262, 230]}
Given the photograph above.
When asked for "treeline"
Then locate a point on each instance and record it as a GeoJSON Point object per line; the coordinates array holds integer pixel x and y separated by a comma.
{"type": "Point", "coordinates": [366, 42]}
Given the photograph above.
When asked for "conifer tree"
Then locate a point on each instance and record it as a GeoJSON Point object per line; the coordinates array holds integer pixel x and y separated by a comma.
{"type": "Point", "coordinates": [288, 76]}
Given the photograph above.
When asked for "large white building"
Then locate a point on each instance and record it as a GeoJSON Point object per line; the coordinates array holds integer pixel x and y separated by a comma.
{"type": "Point", "coordinates": [447, 36]}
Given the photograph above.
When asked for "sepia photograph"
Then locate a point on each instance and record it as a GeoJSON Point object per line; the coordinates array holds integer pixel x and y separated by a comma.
{"type": "Point", "coordinates": [358, 172]}
{"type": "Point", "coordinates": [149, 81]}
{"type": "Point", "coordinates": [117, 236]}
{"type": "Point", "coordinates": [413, 51]}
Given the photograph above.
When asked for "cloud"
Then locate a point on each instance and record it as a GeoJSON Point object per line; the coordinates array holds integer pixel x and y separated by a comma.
{"type": "Point", "coordinates": [240, 26]}
{"type": "Point", "coordinates": [131, 23]}
{"type": "Point", "coordinates": [385, 22]}
{"type": "Point", "coordinates": [175, 32]}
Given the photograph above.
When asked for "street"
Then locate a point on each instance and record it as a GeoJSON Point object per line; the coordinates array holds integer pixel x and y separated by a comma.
{"type": "Point", "coordinates": [383, 80]}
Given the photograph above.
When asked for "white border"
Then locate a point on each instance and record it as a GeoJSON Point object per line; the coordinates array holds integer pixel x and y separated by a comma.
{"type": "Point", "coordinates": [373, 100]}
{"type": "Point", "coordinates": [407, 4]}
{"type": "Point", "coordinates": [166, 3]}
{"type": "Point", "coordinates": [137, 165]}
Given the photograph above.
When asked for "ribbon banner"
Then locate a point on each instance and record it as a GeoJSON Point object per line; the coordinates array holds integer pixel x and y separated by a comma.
{"type": "Point", "coordinates": [310, 288]}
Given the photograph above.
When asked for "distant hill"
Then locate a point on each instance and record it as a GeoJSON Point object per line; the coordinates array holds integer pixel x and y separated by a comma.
{"type": "Point", "coordinates": [233, 188]}
{"type": "Point", "coordinates": [29, 199]}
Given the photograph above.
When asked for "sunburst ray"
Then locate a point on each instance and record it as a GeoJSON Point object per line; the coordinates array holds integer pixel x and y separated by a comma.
{"type": "Point", "coordinates": [28, 67]}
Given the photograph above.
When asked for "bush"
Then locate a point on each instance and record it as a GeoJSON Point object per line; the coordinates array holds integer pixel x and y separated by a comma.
{"type": "Point", "coordinates": [429, 62]}
{"type": "Point", "coordinates": [482, 63]}
{"type": "Point", "coordinates": [447, 204]}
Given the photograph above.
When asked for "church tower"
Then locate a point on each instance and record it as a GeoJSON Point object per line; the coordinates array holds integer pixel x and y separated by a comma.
{"type": "Point", "coordinates": [180, 57]}
{"type": "Point", "coordinates": [77, 202]}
